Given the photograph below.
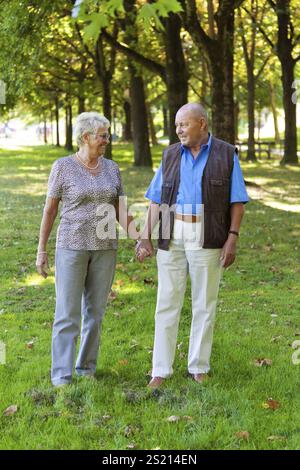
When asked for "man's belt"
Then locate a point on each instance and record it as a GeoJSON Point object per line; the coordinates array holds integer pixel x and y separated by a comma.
{"type": "Point", "coordinates": [188, 217]}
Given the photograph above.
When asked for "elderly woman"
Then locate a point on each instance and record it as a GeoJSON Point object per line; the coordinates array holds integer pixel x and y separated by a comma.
{"type": "Point", "coordinates": [85, 259]}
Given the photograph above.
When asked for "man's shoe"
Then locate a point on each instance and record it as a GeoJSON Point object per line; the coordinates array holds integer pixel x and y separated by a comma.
{"type": "Point", "coordinates": [200, 378]}
{"type": "Point", "coordinates": [155, 382]}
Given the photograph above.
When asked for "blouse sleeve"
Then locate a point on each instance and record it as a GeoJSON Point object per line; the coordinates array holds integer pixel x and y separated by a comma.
{"type": "Point", "coordinates": [55, 182]}
{"type": "Point", "coordinates": [120, 185]}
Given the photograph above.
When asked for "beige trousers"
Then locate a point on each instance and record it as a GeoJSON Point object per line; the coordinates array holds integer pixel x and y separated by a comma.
{"type": "Point", "coordinates": [185, 256]}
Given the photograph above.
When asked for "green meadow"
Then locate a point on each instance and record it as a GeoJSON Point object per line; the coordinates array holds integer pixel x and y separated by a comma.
{"type": "Point", "coordinates": [252, 400]}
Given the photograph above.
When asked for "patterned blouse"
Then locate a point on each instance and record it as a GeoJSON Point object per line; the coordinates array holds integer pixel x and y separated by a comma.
{"type": "Point", "coordinates": [84, 196]}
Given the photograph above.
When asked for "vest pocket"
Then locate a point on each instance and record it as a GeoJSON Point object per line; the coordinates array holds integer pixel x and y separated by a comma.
{"type": "Point", "coordinates": [216, 182]}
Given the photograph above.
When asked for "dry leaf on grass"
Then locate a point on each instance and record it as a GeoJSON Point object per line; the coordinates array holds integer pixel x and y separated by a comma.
{"type": "Point", "coordinates": [11, 410]}
{"type": "Point", "coordinates": [123, 362]}
{"type": "Point", "coordinates": [112, 296]}
{"type": "Point", "coordinates": [173, 419]}
{"type": "Point", "coordinates": [244, 435]}
{"type": "Point", "coordinates": [271, 404]}
{"type": "Point", "coordinates": [276, 438]}
{"type": "Point", "coordinates": [262, 362]}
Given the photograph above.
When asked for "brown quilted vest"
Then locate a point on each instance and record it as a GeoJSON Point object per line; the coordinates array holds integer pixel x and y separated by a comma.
{"type": "Point", "coordinates": [215, 193]}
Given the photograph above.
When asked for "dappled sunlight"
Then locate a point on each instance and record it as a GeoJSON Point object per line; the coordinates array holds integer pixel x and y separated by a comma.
{"type": "Point", "coordinates": [282, 198]}
{"type": "Point", "coordinates": [132, 288]}
{"type": "Point", "coordinates": [282, 206]}
{"type": "Point", "coordinates": [36, 279]}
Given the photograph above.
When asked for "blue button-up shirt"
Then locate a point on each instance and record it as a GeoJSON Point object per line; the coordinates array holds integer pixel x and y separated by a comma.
{"type": "Point", "coordinates": [189, 196]}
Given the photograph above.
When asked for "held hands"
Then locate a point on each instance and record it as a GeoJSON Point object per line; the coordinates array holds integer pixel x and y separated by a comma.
{"type": "Point", "coordinates": [42, 264]}
{"type": "Point", "coordinates": [143, 249]}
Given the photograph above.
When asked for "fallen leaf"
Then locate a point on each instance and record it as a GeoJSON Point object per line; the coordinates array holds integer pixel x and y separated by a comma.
{"type": "Point", "coordinates": [276, 438]}
{"type": "Point", "coordinates": [132, 445]}
{"type": "Point", "coordinates": [119, 282]}
{"type": "Point", "coordinates": [173, 419]}
{"type": "Point", "coordinates": [188, 418]}
{"type": "Point", "coordinates": [135, 278]}
{"type": "Point", "coordinates": [11, 410]}
{"type": "Point", "coordinates": [275, 339]}
{"type": "Point", "coordinates": [271, 404]}
{"type": "Point", "coordinates": [148, 280]}
{"type": "Point", "coordinates": [29, 345]}
{"type": "Point", "coordinates": [262, 362]}
{"type": "Point", "coordinates": [244, 435]}
{"type": "Point", "coordinates": [106, 417]}
{"type": "Point", "coordinates": [123, 362]}
{"type": "Point", "coordinates": [112, 296]}
{"type": "Point", "coordinates": [129, 431]}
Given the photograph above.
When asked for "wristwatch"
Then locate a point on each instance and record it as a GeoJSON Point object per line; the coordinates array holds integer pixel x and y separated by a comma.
{"type": "Point", "coordinates": [234, 232]}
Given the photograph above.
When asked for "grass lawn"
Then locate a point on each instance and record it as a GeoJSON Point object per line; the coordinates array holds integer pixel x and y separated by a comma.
{"type": "Point", "coordinates": [258, 318]}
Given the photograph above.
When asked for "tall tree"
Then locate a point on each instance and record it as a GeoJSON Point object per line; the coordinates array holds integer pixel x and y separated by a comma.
{"type": "Point", "coordinates": [142, 153]}
{"type": "Point", "coordinates": [249, 48]}
{"type": "Point", "coordinates": [284, 47]}
{"type": "Point", "coordinates": [219, 49]}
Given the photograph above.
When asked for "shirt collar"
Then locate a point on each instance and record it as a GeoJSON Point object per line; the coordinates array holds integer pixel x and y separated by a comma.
{"type": "Point", "coordinates": [203, 146]}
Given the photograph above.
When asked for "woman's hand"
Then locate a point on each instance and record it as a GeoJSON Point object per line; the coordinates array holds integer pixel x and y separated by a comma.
{"type": "Point", "coordinates": [42, 264]}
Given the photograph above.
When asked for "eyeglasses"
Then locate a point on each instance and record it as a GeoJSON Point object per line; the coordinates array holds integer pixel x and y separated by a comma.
{"type": "Point", "coordinates": [105, 136]}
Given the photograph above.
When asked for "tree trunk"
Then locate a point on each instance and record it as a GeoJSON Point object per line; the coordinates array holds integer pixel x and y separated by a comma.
{"type": "Point", "coordinates": [151, 125]}
{"type": "Point", "coordinates": [57, 121]}
{"type": "Point", "coordinates": [236, 120]}
{"type": "Point", "coordinates": [166, 121]}
{"type": "Point", "coordinates": [51, 126]}
{"type": "Point", "coordinates": [142, 154]}
{"type": "Point", "coordinates": [285, 49]}
{"type": "Point", "coordinates": [140, 132]}
{"type": "Point", "coordinates": [176, 72]}
{"type": "Point", "coordinates": [69, 128]}
{"type": "Point", "coordinates": [251, 116]}
{"type": "Point", "coordinates": [81, 104]}
{"type": "Point", "coordinates": [106, 94]}
{"type": "Point", "coordinates": [220, 54]}
{"type": "Point", "coordinates": [290, 134]}
{"type": "Point", "coordinates": [274, 112]}
{"type": "Point", "coordinates": [45, 131]}
{"type": "Point", "coordinates": [127, 134]}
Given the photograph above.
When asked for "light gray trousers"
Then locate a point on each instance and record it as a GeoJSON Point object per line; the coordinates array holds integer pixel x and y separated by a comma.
{"type": "Point", "coordinates": [82, 281]}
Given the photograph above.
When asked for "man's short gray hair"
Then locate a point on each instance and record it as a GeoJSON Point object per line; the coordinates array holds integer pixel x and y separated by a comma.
{"type": "Point", "coordinates": [89, 123]}
{"type": "Point", "coordinates": [197, 109]}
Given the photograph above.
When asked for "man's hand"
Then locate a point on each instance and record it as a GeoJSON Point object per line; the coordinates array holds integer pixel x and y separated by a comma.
{"type": "Point", "coordinates": [143, 249]}
{"type": "Point", "coordinates": [228, 251]}
{"type": "Point", "coordinates": [42, 264]}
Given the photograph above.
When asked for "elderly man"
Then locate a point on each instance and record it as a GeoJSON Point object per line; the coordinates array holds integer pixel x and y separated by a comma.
{"type": "Point", "coordinates": [198, 196]}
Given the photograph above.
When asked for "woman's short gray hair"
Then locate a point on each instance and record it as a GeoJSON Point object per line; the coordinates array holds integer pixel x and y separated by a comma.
{"type": "Point", "coordinates": [89, 123]}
